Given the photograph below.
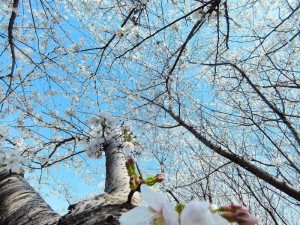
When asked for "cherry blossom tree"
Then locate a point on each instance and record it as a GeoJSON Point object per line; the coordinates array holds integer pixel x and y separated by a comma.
{"type": "Point", "coordinates": [211, 87]}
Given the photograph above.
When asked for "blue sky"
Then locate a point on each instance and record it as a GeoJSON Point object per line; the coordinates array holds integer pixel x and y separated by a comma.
{"type": "Point", "coordinates": [65, 186]}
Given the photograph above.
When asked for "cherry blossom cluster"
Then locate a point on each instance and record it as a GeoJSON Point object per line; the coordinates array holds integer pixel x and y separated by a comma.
{"type": "Point", "coordinates": [11, 158]}
{"type": "Point", "coordinates": [129, 142]}
{"type": "Point", "coordinates": [103, 129]}
{"type": "Point", "coordinates": [157, 210]}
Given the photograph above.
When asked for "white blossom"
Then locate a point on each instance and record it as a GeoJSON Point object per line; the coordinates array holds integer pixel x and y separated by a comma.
{"type": "Point", "coordinates": [71, 112]}
{"type": "Point", "coordinates": [94, 147]}
{"type": "Point", "coordinates": [3, 132]}
{"type": "Point", "coordinates": [155, 210]}
{"type": "Point", "coordinates": [128, 148]}
{"type": "Point", "coordinates": [10, 160]}
{"type": "Point", "coordinates": [103, 128]}
{"type": "Point", "coordinates": [75, 98]}
{"type": "Point", "coordinates": [127, 126]}
{"type": "Point", "coordinates": [199, 212]}
{"type": "Point", "coordinates": [20, 144]}
{"type": "Point", "coordinates": [135, 32]}
{"type": "Point", "coordinates": [95, 120]}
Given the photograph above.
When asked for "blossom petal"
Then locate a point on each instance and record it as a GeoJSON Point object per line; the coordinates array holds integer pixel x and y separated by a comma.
{"type": "Point", "coordinates": [153, 199]}
{"type": "Point", "coordinates": [219, 220]}
{"type": "Point", "coordinates": [195, 213]}
{"type": "Point", "coordinates": [170, 215]}
{"type": "Point", "coordinates": [137, 216]}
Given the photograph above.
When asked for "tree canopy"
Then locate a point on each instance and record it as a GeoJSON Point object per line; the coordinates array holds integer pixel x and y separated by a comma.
{"type": "Point", "coordinates": [211, 89]}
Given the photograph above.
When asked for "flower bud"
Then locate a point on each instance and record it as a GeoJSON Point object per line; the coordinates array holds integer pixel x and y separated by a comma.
{"type": "Point", "coordinates": [134, 183]}
{"type": "Point", "coordinates": [239, 214]}
{"type": "Point", "coordinates": [160, 177]}
{"type": "Point", "coordinates": [229, 216]}
{"type": "Point", "coordinates": [130, 166]}
{"type": "Point", "coordinates": [154, 179]}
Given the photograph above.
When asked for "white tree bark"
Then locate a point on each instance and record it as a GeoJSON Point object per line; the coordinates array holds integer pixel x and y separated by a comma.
{"type": "Point", "coordinates": [117, 181]}
{"type": "Point", "coordinates": [20, 204]}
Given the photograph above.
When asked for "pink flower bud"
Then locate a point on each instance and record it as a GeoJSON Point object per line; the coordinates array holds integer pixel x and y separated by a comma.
{"type": "Point", "coordinates": [229, 216]}
{"type": "Point", "coordinates": [160, 177]}
{"type": "Point", "coordinates": [130, 161]}
{"type": "Point", "coordinates": [239, 214]}
{"type": "Point", "coordinates": [245, 218]}
{"type": "Point", "coordinates": [230, 208]}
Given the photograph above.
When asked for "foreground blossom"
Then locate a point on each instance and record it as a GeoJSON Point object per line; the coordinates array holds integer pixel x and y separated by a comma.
{"type": "Point", "coordinates": [155, 210]}
{"type": "Point", "coordinates": [199, 213]}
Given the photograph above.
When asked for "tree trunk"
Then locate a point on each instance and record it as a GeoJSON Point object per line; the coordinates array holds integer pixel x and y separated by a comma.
{"type": "Point", "coordinates": [117, 180]}
{"type": "Point", "coordinates": [20, 204]}
{"type": "Point", "coordinates": [104, 209]}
